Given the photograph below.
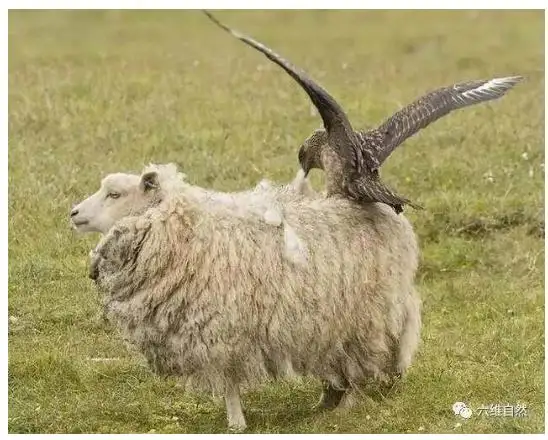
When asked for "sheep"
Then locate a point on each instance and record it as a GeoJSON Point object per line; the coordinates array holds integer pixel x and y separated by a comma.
{"type": "Point", "coordinates": [205, 296]}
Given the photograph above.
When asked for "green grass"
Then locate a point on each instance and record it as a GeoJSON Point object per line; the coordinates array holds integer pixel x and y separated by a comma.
{"type": "Point", "coordinates": [96, 92]}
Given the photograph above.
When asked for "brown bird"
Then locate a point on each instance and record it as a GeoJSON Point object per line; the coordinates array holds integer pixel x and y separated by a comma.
{"type": "Point", "coordinates": [351, 159]}
{"type": "Point", "coordinates": [378, 143]}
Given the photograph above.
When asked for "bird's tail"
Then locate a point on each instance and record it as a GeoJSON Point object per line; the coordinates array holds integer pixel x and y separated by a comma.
{"type": "Point", "coordinates": [397, 202]}
{"type": "Point", "coordinates": [368, 190]}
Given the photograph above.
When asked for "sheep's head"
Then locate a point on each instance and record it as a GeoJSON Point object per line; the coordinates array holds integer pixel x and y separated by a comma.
{"type": "Point", "coordinates": [120, 195]}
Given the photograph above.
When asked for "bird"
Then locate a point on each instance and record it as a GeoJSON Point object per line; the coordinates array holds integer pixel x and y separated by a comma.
{"type": "Point", "coordinates": [351, 159]}
{"type": "Point", "coordinates": [345, 166]}
{"type": "Point", "coordinates": [378, 143]}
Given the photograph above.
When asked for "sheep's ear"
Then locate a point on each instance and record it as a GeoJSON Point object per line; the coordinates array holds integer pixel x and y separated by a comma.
{"type": "Point", "coordinates": [149, 181]}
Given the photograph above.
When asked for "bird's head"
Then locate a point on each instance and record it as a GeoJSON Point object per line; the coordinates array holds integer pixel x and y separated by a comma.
{"type": "Point", "coordinates": [310, 151]}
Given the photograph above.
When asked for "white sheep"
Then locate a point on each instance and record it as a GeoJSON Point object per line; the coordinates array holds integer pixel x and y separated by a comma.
{"type": "Point", "coordinates": [206, 295]}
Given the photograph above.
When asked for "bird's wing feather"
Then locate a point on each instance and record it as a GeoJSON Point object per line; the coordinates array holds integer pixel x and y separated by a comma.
{"type": "Point", "coordinates": [333, 116]}
{"type": "Point", "coordinates": [434, 105]}
{"type": "Point", "coordinates": [366, 189]}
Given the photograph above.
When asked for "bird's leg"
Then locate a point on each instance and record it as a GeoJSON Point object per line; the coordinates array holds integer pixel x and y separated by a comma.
{"type": "Point", "coordinates": [235, 415]}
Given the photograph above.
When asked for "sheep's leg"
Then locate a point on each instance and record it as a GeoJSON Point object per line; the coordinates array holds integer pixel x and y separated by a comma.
{"type": "Point", "coordinates": [410, 336]}
{"type": "Point", "coordinates": [235, 415]}
{"type": "Point", "coordinates": [348, 401]}
{"type": "Point", "coordinates": [331, 396]}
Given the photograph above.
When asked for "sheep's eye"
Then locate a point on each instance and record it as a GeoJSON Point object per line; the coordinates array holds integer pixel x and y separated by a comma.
{"type": "Point", "coordinates": [113, 195]}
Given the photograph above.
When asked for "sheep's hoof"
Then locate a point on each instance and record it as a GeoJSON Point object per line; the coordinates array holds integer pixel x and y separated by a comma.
{"type": "Point", "coordinates": [331, 397]}
{"type": "Point", "coordinates": [237, 427]}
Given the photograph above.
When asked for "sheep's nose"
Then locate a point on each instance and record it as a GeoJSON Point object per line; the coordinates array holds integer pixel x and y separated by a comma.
{"type": "Point", "coordinates": [73, 212]}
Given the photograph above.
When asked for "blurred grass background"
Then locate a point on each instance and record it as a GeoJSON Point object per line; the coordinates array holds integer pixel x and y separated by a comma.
{"type": "Point", "coordinates": [92, 92]}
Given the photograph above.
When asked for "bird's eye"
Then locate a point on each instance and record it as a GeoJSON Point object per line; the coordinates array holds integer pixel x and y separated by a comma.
{"type": "Point", "coordinates": [113, 195]}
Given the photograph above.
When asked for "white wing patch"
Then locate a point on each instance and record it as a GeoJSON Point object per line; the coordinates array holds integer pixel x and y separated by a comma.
{"type": "Point", "coordinates": [492, 89]}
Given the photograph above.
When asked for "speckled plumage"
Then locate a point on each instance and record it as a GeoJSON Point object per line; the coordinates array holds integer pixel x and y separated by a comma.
{"type": "Point", "coordinates": [351, 159]}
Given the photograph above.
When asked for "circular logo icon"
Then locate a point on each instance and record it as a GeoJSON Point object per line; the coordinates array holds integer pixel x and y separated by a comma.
{"type": "Point", "coordinates": [461, 409]}
{"type": "Point", "coordinates": [465, 413]}
{"type": "Point", "coordinates": [458, 406]}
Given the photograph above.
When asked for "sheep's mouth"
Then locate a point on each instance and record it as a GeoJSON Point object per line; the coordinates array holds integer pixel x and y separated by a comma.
{"type": "Point", "coordinates": [80, 222]}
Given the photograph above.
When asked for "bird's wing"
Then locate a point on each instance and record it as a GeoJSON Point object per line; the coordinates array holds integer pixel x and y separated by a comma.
{"type": "Point", "coordinates": [429, 108]}
{"type": "Point", "coordinates": [333, 116]}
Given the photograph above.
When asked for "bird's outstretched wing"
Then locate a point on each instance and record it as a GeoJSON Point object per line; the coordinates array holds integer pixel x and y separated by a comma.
{"type": "Point", "coordinates": [432, 106]}
{"type": "Point", "coordinates": [334, 118]}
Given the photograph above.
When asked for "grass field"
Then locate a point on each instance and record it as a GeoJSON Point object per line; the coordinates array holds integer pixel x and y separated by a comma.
{"type": "Point", "coordinates": [94, 92]}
